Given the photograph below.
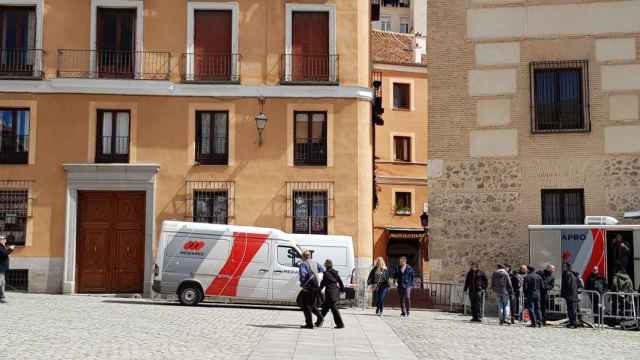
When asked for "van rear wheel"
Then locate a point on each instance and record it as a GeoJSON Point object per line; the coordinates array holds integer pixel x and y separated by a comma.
{"type": "Point", "coordinates": [190, 294]}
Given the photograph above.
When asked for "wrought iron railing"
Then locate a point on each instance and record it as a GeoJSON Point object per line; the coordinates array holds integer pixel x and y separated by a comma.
{"type": "Point", "coordinates": [110, 149]}
{"type": "Point", "coordinates": [114, 64]}
{"type": "Point", "coordinates": [14, 149]}
{"type": "Point", "coordinates": [309, 68]}
{"type": "Point", "coordinates": [211, 67]}
{"type": "Point", "coordinates": [21, 63]}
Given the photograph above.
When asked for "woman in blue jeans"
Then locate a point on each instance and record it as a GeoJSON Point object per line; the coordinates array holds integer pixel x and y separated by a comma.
{"type": "Point", "coordinates": [379, 279]}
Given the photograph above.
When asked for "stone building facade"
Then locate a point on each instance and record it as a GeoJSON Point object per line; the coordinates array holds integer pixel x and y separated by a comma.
{"type": "Point", "coordinates": [531, 103]}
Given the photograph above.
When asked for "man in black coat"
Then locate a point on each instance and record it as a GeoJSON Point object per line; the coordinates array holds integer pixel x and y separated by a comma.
{"type": "Point", "coordinates": [569, 292]}
{"type": "Point", "coordinates": [597, 282]}
{"type": "Point", "coordinates": [4, 264]}
{"type": "Point", "coordinates": [333, 286]}
{"type": "Point", "coordinates": [476, 283]}
{"type": "Point", "coordinates": [532, 288]}
{"type": "Point", "coordinates": [549, 282]}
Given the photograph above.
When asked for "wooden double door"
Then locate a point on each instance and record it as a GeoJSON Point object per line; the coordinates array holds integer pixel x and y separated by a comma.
{"type": "Point", "coordinates": [111, 241]}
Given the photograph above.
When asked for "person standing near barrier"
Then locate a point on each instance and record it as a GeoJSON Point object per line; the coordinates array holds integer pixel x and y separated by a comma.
{"type": "Point", "coordinates": [598, 283]}
{"type": "Point", "coordinates": [404, 278]}
{"type": "Point", "coordinates": [333, 286]}
{"type": "Point", "coordinates": [549, 282]}
{"type": "Point", "coordinates": [5, 251]}
{"type": "Point", "coordinates": [501, 286]}
{"type": "Point", "coordinates": [532, 288]}
{"type": "Point", "coordinates": [517, 278]}
{"type": "Point", "coordinates": [476, 283]}
{"type": "Point", "coordinates": [309, 281]}
{"type": "Point", "coordinates": [379, 279]}
{"type": "Point", "coordinates": [569, 292]}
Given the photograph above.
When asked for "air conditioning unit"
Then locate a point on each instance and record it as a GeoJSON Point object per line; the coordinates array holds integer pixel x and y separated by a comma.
{"type": "Point", "coordinates": [600, 220]}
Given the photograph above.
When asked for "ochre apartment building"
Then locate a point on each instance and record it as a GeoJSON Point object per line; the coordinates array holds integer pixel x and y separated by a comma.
{"type": "Point", "coordinates": [534, 119]}
{"type": "Point", "coordinates": [399, 67]}
{"type": "Point", "coordinates": [119, 114]}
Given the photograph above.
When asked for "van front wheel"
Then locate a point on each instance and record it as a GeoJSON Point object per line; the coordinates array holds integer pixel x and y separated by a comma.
{"type": "Point", "coordinates": [190, 294]}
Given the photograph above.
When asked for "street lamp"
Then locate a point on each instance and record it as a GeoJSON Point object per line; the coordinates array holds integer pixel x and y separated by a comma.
{"type": "Point", "coordinates": [261, 120]}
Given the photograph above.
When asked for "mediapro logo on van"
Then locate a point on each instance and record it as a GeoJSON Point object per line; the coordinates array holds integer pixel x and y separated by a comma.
{"type": "Point", "coordinates": [192, 247]}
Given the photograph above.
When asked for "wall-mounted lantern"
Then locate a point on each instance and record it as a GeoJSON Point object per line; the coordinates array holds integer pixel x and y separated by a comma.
{"type": "Point", "coordinates": [261, 120]}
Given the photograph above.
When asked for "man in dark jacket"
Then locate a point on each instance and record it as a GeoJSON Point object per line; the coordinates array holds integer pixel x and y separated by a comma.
{"type": "Point", "coordinates": [310, 284]}
{"type": "Point", "coordinates": [333, 286]}
{"type": "Point", "coordinates": [569, 292]}
{"type": "Point", "coordinates": [549, 282]}
{"type": "Point", "coordinates": [517, 277]}
{"type": "Point", "coordinates": [532, 288]}
{"type": "Point", "coordinates": [404, 278]}
{"type": "Point", "coordinates": [4, 264]}
{"type": "Point", "coordinates": [476, 283]}
{"type": "Point", "coordinates": [597, 282]}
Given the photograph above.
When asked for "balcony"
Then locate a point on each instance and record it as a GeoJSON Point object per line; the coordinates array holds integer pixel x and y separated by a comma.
{"type": "Point", "coordinates": [309, 69]}
{"type": "Point", "coordinates": [114, 64]}
{"type": "Point", "coordinates": [21, 64]}
{"type": "Point", "coordinates": [14, 149]}
{"type": "Point", "coordinates": [211, 68]}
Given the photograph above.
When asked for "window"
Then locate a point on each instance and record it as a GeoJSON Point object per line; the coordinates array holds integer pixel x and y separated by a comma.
{"type": "Point", "coordinates": [310, 138]}
{"type": "Point", "coordinates": [310, 212]}
{"type": "Point", "coordinates": [213, 55]}
{"type": "Point", "coordinates": [562, 207]}
{"type": "Point", "coordinates": [116, 42]}
{"type": "Point", "coordinates": [288, 256]}
{"type": "Point", "coordinates": [385, 23]}
{"type": "Point", "coordinates": [404, 25]}
{"type": "Point", "coordinates": [310, 58]}
{"type": "Point", "coordinates": [401, 96]}
{"type": "Point", "coordinates": [14, 136]}
{"type": "Point", "coordinates": [402, 145]}
{"type": "Point", "coordinates": [14, 206]}
{"type": "Point", "coordinates": [403, 203]}
{"type": "Point", "coordinates": [112, 143]}
{"type": "Point", "coordinates": [18, 55]}
{"type": "Point", "coordinates": [212, 137]}
{"type": "Point", "coordinates": [211, 207]}
{"type": "Point", "coordinates": [559, 96]}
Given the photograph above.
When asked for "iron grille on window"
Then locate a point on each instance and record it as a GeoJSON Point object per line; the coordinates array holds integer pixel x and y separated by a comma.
{"type": "Point", "coordinates": [212, 137]}
{"type": "Point", "coordinates": [310, 205]}
{"type": "Point", "coordinates": [112, 142]}
{"type": "Point", "coordinates": [561, 207]}
{"type": "Point", "coordinates": [17, 280]}
{"type": "Point", "coordinates": [560, 96]}
{"type": "Point", "coordinates": [210, 201]}
{"type": "Point", "coordinates": [310, 134]}
{"type": "Point", "coordinates": [14, 211]}
{"type": "Point", "coordinates": [14, 136]}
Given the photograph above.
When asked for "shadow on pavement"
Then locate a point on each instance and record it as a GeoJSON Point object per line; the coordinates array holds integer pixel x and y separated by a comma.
{"type": "Point", "coordinates": [279, 326]}
{"type": "Point", "coordinates": [202, 305]}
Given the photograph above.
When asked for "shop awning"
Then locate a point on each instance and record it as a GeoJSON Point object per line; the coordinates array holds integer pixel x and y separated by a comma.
{"type": "Point", "coordinates": [405, 233]}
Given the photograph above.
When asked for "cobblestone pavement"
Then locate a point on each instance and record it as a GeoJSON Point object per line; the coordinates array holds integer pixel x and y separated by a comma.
{"type": "Point", "coordinates": [438, 335]}
{"type": "Point", "coordinates": [80, 327]}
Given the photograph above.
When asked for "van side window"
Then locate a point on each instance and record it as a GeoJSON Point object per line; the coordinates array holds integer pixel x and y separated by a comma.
{"type": "Point", "coordinates": [288, 256]}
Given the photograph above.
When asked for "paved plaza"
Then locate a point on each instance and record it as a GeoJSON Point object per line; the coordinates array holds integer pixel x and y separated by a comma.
{"type": "Point", "coordinates": [82, 327]}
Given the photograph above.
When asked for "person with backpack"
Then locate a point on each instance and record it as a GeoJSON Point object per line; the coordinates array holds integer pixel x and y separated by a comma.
{"type": "Point", "coordinates": [310, 292]}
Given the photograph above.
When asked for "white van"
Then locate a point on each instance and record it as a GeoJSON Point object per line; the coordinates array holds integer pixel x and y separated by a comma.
{"type": "Point", "coordinates": [232, 263]}
{"type": "Point", "coordinates": [239, 263]}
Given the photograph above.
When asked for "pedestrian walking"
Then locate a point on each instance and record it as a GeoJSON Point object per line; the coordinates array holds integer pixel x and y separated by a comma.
{"type": "Point", "coordinates": [333, 286]}
{"type": "Point", "coordinates": [598, 283]}
{"type": "Point", "coordinates": [310, 292]}
{"type": "Point", "coordinates": [404, 278]}
{"type": "Point", "coordinates": [569, 292]}
{"type": "Point", "coordinates": [517, 277]}
{"type": "Point", "coordinates": [379, 279]}
{"type": "Point", "coordinates": [549, 282]}
{"type": "Point", "coordinates": [5, 251]}
{"type": "Point", "coordinates": [532, 288]}
{"type": "Point", "coordinates": [476, 284]}
{"type": "Point", "coordinates": [501, 286]}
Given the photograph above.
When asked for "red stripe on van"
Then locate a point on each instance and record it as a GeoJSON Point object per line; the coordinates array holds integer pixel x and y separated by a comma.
{"type": "Point", "coordinates": [597, 254]}
{"type": "Point", "coordinates": [245, 247]}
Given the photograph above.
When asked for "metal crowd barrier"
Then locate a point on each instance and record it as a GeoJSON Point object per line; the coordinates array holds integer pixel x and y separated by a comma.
{"type": "Point", "coordinates": [622, 309]}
